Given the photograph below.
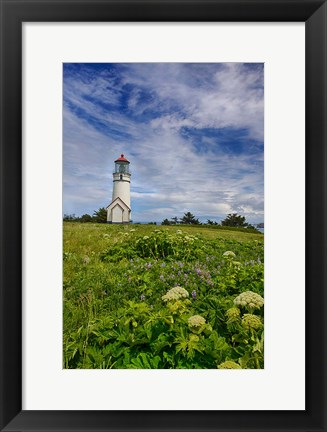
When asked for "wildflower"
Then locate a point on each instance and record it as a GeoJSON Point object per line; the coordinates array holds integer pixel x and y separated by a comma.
{"type": "Point", "coordinates": [175, 293]}
{"type": "Point", "coordinates": [86, 259]}
{"type": "Point", "coordinates": [232, 314]}
{"type": "Point", "coordinates": [194, 338]}
{"type": "Point", "coordinates": [251, 321]}
{"type": "Point", "coordinates": [198, 271]}
{"type": "Point", "coordinates": [196, 321]}
{"type": "Point", "coordinates": [194, 294]}
{"type": "Point", "coordinates": [162, 277]}
{"type": "Point", "coordinates": [148, 265]}
{"type": "Point", "coordinates": [229, 364]}
{"type": "Point", "coordinates": [228, 254]}
{"type": "Point", "coordinates": [249, 299]}
{"type": "Point", "coordinates": [142, 297]}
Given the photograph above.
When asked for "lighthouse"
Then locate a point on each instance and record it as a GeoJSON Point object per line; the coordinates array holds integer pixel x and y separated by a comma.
{"type": "Point", "coordinates": [119, 211]}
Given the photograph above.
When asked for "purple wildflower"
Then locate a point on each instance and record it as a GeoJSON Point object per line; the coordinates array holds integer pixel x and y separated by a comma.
{"type": "Point", "coordinates": [162, 277]}
{"type": "Point", "coordinates": [142, 297]}
{"type": "Point", "coordinates": [193, 294]}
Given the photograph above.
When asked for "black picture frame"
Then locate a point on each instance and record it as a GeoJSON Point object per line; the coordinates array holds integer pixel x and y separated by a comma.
{"type": "Point", "coordinates": [13, 14]}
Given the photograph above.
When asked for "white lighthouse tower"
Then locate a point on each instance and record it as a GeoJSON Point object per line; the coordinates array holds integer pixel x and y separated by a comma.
{"type": "Point", "coordinates": [119, 211]}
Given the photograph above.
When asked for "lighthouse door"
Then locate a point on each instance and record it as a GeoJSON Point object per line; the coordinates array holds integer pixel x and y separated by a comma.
{"type": "Point", "coordinates": [117, 214]}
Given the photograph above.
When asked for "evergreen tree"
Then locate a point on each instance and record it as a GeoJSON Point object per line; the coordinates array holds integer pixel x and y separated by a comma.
{"type": "Point", "coordinates": [166, 222]}
{"type": "Point", "coordinates": [86, 218]}
{"type": "Point", "coordinates": [189, 219]}
{"type": "Point", "coordinates": [100, 216]}
{"type": "Point", "coordinates": [234, 220]}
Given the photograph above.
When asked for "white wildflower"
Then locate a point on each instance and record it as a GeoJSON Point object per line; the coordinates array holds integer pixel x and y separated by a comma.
{"type": "Point", "coordinates": [229, 254]}
{"type": "Point", "coordinates": [232, 314]}
{"type": "Point", "coordinates": [250, 299]}
{"type": "Point", "coordinates": [251, 321]}
{"type": "Point", "coordinates": [229, 364]}
{"type": "Point", "coordinates": [196, 321]}
{"type": "Point", "coordinates": [175, 293]}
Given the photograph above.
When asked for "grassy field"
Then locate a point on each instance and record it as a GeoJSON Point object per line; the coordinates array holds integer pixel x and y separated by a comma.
{"type": "Point", "coordinates": [147, 296]}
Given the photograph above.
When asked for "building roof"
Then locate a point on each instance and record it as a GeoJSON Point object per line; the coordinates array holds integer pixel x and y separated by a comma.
{"type": "Point", "coordinates": [122, 159]}
{"type": "Point", "coordinates": [120, 202]}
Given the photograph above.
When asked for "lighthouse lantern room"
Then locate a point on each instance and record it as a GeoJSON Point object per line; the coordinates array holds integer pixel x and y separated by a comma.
{"type": "Point", "coordinates": [119, 211]}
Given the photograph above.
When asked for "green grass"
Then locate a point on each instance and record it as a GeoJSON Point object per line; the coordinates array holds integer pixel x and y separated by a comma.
{"type": "Point", "coordinates": [115, 277]}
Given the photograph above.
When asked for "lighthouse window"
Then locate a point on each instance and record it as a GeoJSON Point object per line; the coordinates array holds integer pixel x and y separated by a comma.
{"type": "Point", "coordinates": [121, 168]}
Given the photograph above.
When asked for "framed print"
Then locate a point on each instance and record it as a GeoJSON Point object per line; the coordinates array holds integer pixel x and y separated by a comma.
{"type": "Point", "coordinates": [90, 78]}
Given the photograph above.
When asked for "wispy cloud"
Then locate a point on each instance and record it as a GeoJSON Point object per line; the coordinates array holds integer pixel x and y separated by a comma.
{"type": "Point", "coordinates": [192, 132]}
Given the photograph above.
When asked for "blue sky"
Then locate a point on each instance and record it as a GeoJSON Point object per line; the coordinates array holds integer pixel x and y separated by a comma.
{"type": "Point", "coordinates": [193, 133]}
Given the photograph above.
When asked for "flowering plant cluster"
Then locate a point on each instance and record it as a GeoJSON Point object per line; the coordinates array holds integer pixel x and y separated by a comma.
{"type": "Point", "coordinates": [232, 314]}
{"type": "Point", "coordinates": [229, 254]}
{"type": "Point", "coordinates": [229, 364]}
{"type": "Point", "coordinates": [249, 299]}
{"type": "Point", "coordinates": [251, 321]}
{"type": "Point", "coordinates": [196, 321]}
{"type": "Point", "coordinates": [175, 293]}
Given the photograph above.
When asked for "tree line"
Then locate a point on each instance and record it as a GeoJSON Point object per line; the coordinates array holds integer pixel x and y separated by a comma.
{"type": "Point", "coordinates": [99, 216]}
{"type": "Point", "coordinates": [231, 220]}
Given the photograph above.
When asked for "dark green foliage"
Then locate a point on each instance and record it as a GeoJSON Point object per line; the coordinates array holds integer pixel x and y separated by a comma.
{"type": "Point", "coordinates": [189, 219]}
{"type": "Point", "coordinates": [70, 218]}
{"type": "Point", "coordinates": [234, 220]}
{"type": "Point", "coordinates": [86, 218]}
{"type": "Point", "coordinates": [158, 245]}
{"type": "Point", "coordinates": [166, 222]}
{"type": "Point", "coordinates": [100, 216]}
